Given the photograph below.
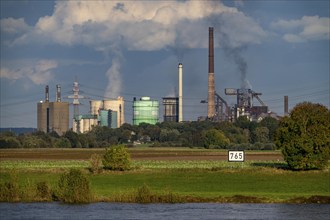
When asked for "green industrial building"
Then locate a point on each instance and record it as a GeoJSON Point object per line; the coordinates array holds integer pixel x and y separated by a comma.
{"type": "Point", "coordinates": [145, 111]}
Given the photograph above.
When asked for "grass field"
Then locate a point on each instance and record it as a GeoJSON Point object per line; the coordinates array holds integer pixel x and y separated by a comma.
{"type": "Point", "coordinates": [193, 180]}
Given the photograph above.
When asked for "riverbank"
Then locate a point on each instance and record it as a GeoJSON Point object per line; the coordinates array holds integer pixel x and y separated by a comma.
{"type": "Point", "coordinates": [174, 180]}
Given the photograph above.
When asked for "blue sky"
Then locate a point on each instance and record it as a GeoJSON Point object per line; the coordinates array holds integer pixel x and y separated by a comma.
{"type": "Point", "coordinates": [132, 49]}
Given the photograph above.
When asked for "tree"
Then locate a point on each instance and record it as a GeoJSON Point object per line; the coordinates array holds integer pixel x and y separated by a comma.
{"type": "Point", "coordinates": [169, 135]}
{"type": "Point", "coordinates": [271, 124]}
{"type": "Point", "coordinates": [117, 158]}
{"type": "Point", "coordinates": [214, 138]}
{"type": "Point", "coordinates": [304, 136]}
{"type": "Point", "coordinates": [73, 138]}
{"type": "Point", "coordinates": [261, 135]}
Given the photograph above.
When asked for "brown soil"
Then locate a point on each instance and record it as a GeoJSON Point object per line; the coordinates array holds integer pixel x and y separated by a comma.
{"type": "Point", "coordinates": [144, 154]}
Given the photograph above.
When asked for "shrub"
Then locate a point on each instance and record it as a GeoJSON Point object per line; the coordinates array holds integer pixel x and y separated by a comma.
{"type": "Point", "coordinates": [10, 190]}
{"type": "Point", "coordinates": [43, 191]}
{"type": "Point", "coordinates": [73, 187]}
{"type": "Point", "coordinates": [143, 194]}
{"type": "Point", "coordinates": [9, 142]}
{"type": "Point", "coordinates": [117, 158]}
{"type": "Point", "coordinates": [95, 163]}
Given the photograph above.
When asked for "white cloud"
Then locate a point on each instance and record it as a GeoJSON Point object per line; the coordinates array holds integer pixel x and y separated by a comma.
{"type": "Point", "coordinates": [308, 28]}
{"type": "Point", "coordinates": [110, 26]}
{"type": "Point", "coordinates": [39, 73]}
{"type": "Point", "coordinates": [139, 25]}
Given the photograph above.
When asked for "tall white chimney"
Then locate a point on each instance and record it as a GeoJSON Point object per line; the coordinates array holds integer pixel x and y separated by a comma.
{"type": "Point", "coordinates": [180, 92]}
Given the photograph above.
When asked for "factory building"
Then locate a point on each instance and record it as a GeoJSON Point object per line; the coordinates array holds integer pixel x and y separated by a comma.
{"type": "Point", "coordinates": [53, 116]}
{"type": "Point", "coordinates": [145, 110]}
{"type": "Point", "coordinates": [109, 113]}
{"type": "Point", "coordinates": [108, 118]}
{"type": "Point", "coordinates": [245, 105]}
{"type": "Point", "coordinates": [171, 109]}
{"type": "Point", "coordinates": [84, 123]}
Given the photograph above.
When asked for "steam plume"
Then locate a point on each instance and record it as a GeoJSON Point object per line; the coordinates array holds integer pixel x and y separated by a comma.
{"type": "Point", "coordinates": [114, 79]}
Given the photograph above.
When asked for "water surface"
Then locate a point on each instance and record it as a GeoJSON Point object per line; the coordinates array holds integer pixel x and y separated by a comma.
{"type": "Point", "coordinates": [189, 211]}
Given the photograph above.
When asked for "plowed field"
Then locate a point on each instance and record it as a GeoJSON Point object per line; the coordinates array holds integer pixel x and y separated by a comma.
{"type": "Point", "coordinates": [136, 154]}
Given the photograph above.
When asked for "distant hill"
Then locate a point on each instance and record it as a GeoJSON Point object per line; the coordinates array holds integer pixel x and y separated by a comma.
{"type": "Point", "coordinates": [18, 130]}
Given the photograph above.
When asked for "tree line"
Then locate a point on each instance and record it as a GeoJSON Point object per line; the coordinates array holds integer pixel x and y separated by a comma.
{"type": "Point", "coordinates": [243, 134]}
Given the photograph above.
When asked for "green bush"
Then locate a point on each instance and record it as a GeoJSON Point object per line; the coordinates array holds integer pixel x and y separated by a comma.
{"type": "Point", "coordinates": [73, 187]}
{"type": "Point", "coordinates": [117, 158]}
{"type": "Point", "coordinates": [304, 137]}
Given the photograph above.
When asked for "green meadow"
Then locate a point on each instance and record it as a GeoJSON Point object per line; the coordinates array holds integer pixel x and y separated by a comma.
{"type": "Point", "coordinates": [188, 181]}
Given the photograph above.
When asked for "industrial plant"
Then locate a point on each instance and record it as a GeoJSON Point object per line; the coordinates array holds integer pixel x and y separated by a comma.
{"type": "Point", "coordinates": [217, 107]}
{"type": "Point", "coordinates": [54, 116]}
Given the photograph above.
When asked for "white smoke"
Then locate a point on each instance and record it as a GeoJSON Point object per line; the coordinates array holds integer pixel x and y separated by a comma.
{"type": "Point", "coordinates": [114, 79]}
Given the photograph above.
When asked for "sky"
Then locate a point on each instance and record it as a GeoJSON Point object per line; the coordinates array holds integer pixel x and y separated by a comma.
{"type": "Point", "coordinates": [132, 49]}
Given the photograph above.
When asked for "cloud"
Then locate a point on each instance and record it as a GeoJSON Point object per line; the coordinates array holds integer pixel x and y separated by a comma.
{"type": "Point", "coordinates": [308, 28]}
{"type": "Point", "coordinates": [112, 26]}
{"type": "Point", "coordinates": [138, 25]}
{"type": "Point", "coordinates": [13, 26]}
{"type": "Point", "coordinates": [39, 73]}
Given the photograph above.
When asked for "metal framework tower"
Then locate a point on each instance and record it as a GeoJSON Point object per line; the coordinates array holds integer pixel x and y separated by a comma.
{"type": "Point", "coordinates": [76, 102]}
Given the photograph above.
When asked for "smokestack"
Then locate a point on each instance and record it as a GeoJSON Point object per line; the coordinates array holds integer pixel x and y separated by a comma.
{"type": "Point", "coordinates": [180, 92]}
{"type": "Point", "coordinates": [211, 87]}
{"type": "Point", "coordinates": [286, 105]}
{"type": "Point", "coordinates": [58, 93]}
{"type": "Point", "coordinates": [47, 94]}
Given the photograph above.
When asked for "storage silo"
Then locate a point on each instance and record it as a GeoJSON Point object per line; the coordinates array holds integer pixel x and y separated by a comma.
{"type": "Point", "coordinates": [43, 116]}
{"type": "Point", "coordinates": [95, 106]}
{"type": "Point", "coordinates": [59, 117]}
{"type": "Point", "coordinates": [145, 110]}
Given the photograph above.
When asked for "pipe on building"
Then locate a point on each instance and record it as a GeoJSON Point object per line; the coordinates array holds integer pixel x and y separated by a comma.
{"type": "Point", "coordinates": [47, 94]}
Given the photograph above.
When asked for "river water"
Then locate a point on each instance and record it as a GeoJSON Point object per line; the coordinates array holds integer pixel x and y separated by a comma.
{"type": "Point", "coordinates": [189, 211]}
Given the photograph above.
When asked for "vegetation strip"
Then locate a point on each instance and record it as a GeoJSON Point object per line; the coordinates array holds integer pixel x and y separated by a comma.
{"type": "Point", "coordinates": [29, 165]}
{"type": "Point", "coordinates": [251, 184]}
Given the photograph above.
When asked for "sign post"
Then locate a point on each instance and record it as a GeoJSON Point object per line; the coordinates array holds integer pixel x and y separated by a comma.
{"type": "Point", "coordinates": [236, 156]}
